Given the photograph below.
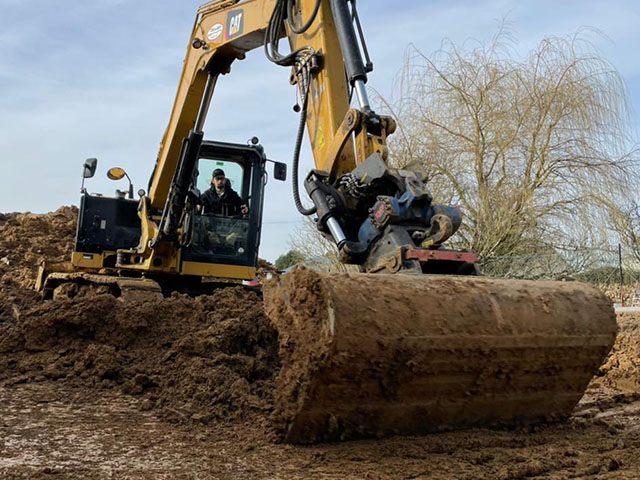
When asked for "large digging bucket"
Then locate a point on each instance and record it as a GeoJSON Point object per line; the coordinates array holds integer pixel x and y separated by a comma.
{"type": "Point", "coordinates": [371, 355]}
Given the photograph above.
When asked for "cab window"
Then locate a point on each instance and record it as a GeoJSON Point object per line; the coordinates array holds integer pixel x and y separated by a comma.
{"type": "Point", "coordinates": [232, 170]}
{"type": "Point", "coordinates": [222, 234]}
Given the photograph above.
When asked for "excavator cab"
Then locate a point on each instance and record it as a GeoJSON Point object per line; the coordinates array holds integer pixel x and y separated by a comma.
{"type": "Point", "coordinates": [223, 244]}
{"type": "Point", "coordinates": [228, 236]}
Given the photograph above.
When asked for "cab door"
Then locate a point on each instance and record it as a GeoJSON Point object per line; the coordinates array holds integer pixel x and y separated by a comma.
{"type": "Point", "coordinates": [220, 236]}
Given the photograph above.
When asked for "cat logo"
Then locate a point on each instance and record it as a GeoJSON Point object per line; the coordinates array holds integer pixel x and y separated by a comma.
{"type": "Point", "coordinates": [235, 23]}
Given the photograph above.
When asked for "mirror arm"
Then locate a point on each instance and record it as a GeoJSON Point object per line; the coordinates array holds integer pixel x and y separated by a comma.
{"type": "Point", "coordinates": [130, 184]}
{"type": "Point", "coordinates": [88, 170]}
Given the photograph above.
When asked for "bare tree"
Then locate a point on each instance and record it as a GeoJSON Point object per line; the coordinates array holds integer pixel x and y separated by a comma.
{"type": "Point", "coordinates": [530, 150]}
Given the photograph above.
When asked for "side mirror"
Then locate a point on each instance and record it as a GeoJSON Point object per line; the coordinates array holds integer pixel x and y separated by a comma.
{"type": "Point", "coordinates": [116, 173]}
{"type": "Point", "coordinates": [280, 171]}
{"type": "Point", "coordinates": [90, 165]}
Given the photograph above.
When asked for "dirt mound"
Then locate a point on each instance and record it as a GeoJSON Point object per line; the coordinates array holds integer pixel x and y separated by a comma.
{"type": "Point", "coordinates": [621, 370]}
{"type": "Point", "coordinates": [202, 358]}
{"type": "Point", "coordinates": [212, 357]}
{"type": "Point", "coordinates": [188, 359]}
{"type": "Point", "coordinates": [26, 238]}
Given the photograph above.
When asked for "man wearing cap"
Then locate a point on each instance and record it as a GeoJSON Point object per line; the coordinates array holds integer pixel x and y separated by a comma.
{"type": "Point", "coordinates": [221, 199]}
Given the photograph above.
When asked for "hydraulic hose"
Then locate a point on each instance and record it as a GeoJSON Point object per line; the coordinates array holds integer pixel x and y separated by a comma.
{"type": "Point", "coordinates": [307, 24]}
{"type": "Point", "coordinates": [296, 151]}
{"type": "Point", "coordinates": [273, 33]}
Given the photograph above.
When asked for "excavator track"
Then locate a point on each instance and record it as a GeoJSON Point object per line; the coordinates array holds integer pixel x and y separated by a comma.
{"type": "Point", "coordinates": [126, 288]}
{"type": "Point", "coordinates": [372, 355]}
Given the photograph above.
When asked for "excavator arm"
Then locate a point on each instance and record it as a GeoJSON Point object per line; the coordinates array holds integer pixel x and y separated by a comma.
{"type": "Point", "coordinates": [221, 34]}
{"type": "Point", "coordinates": [224, 31]}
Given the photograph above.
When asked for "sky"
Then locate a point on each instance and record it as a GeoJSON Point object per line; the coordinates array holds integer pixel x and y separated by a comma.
{"type": "Point", "coordinates": [97, 78]}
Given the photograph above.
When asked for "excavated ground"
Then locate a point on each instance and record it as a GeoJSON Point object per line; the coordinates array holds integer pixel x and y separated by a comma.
{"type": "Point", "coordinates": [92, 387]}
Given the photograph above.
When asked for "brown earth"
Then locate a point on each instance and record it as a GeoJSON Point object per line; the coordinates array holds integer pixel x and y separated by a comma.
{"type": "Point", "coordinates": [91, 387]}
{"type": "Point", "coordinates": [621, 370]}
{"type": "Point", "coordinates": [27, 238]}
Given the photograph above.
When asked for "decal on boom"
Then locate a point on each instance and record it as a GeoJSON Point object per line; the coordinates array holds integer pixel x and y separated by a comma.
{"type": "Point", "coordinates": [235, 24]}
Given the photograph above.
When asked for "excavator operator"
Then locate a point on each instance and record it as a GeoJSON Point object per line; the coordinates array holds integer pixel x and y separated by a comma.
{"type": "Point", "coordinates": [221, 199]}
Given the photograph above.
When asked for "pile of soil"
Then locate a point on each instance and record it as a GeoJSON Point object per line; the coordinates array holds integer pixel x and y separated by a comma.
{"type": "Point", "coordinates": [621, 370]}
{"type": "Point", "coordinates": [27, 238]}
{"type": "Point", "coordinates": [188, 359]}
{"type": "Point", "coordinates": [211, 357]}
{"type": "Point", "coordinates": [192, 359]}
{"type": "Point", "coordinates": [76, 371]}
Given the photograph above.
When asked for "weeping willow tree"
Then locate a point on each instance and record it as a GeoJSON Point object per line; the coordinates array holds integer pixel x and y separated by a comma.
{"type": "Point", "coordinates": [535, 151]}
{"type": "Point", "coordinates": [531, 150]}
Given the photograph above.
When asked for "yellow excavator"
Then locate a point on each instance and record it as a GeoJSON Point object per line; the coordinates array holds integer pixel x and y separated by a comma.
{"type": "Point", "coordinates": [417, 342]}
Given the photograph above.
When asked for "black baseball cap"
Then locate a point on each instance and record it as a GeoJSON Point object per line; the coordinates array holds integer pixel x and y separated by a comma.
{"type": "Point", "coordinates": [218, 172]}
